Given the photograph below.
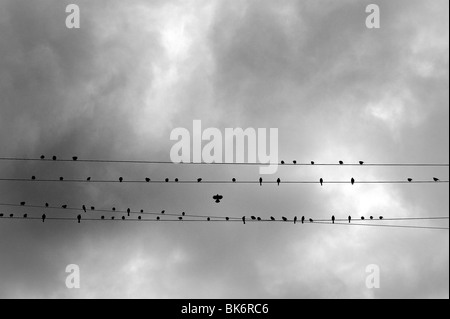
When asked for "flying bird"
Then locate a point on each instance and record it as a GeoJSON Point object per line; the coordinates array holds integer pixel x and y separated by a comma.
{"type": "Point", "coordinates": [217, 198]}
{"type": "Point", "coordinates": [321, 182]}
{"type": "Point", "coordinates": [333, 219]}
{"type": "Point", "coordinates": [279, 181]}
{"type": "Point", "coordinates": [353, 181]}
{"type": "Point", "coordinates": [79, 219]}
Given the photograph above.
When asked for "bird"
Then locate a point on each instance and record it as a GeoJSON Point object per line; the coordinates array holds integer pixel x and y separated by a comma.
{"type": "Point", "coordinates": [148, 180]}
{"type": "Point", "coordinates": [260, 181]}
{"type": "Point", "coordinates": [341, 163]}
{"type": "Point", "coordinates": [349, 219]}
{"type": "Point", "coordinates": [199, 180]}
{"type": "Point", "coordinates": [361, 163]}
{"type": "Point", "coordinates": [217, 198]}
{"type": "Point", "coordinates": [1, 215]}
{"type": "Point", "coordinates": [88, 179]}
{"type": "Point", "coordinates": [333, 219]}
{"type": "Point", "coordinates": [436, 179]}
{"type": "Point", "coordinates": [167, 180]}
{"type": "Point", "coordinates": [43, 218]}
{"type": "Point", "coordinates": [47, 205]}
{"type": "Point", "coordinates": [183, 214]}
{"type": "Point", "coordinates": [282, 162]}
{"type": "Point", "coordinates": [303, 219]}
{"type": "Point", "coordinates": [75, 158]}
{"type": "Point", "coordinates": [128, 212]}
{"type": "Point", "coordinates": [180, 218]}
{"type": "Point", "coordinates": [313, 163]}
{"type": "Point", "coordinates": [139, 217]}
{"type": "Point", "coordinates": [227, 219]}
{"type": "Point", "coordinates": [11, 216]}
{"type": "Point", "coordinates": [64, 206]}
{"type": "Point", "coordinates": [79, 218]}
{"type": "Point", "coordinates": [284, 219]}
{"type": "Point", "coordinates": [121, 179]}
{"type": "Point", "coordinates": [123, 217]}
{"type": "Point", "coordinates": [259, 219]}
{"type": "Point", "coordinates": [208, 219]}
{"type": "Point", "coordinates": [158, 218]}
{"type": "Point", "coordinates": [92, 208]}
{"type": "Point", "coordinates": [61, 179]}
{"type": "Point", "coordinates": [23, 203]}
{"type": "Point", "coordinates": [113, 209]}
{"type": "Point", "coordinates": [371, 217]}
{"type": "Point", "coordinates": [113, 218]}
{"type": "Point", "coordinates": [381, 217]}
{"type": "Point", "coordinates": [278, 182]}
{"type": "Point", "coordinates": [243, 220]}
{"type": "Point", "coordinates": [84, 209]}
{"type": "Point", "coordinates": [142, 211]}
{"type": "Point", "coordinates": [25, 216]}
{"type": "Point", "coordinates": [54, 158]}
{"type": "Point", "coordinates": [311, 220]}
{"type": "Point", "coordinates": [352, 181]}
{"type": "Point", "coordinates": [410, 180]}
{"type": "Point", "coordinates": [234, 180]}
{"type": "Point", "coordinates": [33, 178]}
{"type": "Point", "coordinates": [321, 182]}
{"type": "Point", "coordinates": [295, 220]}
{"type": "Point", "coordinates": [363, 218]}
{"type": "Point", "coordinates": [103, 217]}
{"type": "Point", "coordinates": [42, 157]}
{"type": "Point", "coordinates": [295, 162]}
{"type": "Point", "coordinates": [272, 219]}
{"type": "Point", "coordinates": [163, 212]}
{"type": "Point", "coordinates": [176, 180]}
{"type": "Point", "coordinates": [253, 218]}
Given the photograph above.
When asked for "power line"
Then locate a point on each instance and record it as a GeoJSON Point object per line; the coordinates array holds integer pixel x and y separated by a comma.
{"type": "Point", "coordinates": [293, 163]}
{"type": "Point", "coordinates": [248, 182]}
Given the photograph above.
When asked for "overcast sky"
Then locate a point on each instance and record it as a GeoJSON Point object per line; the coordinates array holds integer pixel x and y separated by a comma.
{"type": "Point", "coordinates": [136, 70]}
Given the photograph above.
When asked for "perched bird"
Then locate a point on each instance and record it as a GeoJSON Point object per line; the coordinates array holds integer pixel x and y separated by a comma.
{"type": "Point", "coordinates": [253, 218]}
{"type": "Point", "coordinates": [349, 219]}
{"type": "Point", "coordinates": [363, 218]}
{"type": "Point", "coordinates": [103, 217]}
{"type": "Point", "coordinates": [54, 158]}
{"type": "Point", "coordinates": [79, 219]}
{"type": "Point", "coordinates": [333, 219]}
{"type": "Point", "coordinates": [11, 216]}
{"type": "Point", "coordinates": [92, 208]}
{"type": "Point", "coordinates": [158, 218]}
{"type": "Point", "coordinates": [183, 214]}
{"type": "Point", "coordinates": [23, 203]}
{"type": "Point", "coordinates": [311, 220]}
{"type": "Point", "coordinates": [234, 180]}
{"type": "Point", "coordinates": [113, 209]}
{"type": "Point", "coordinates": [243, 220]}
{"type": "Point", "coordinates": [313, 163]}
{"type": "Point", "coordinates": [33, 178]}
{"type": "Point", "coordinates": [89, 179]}
{"type": "Point", "coordinates": [217, 198]}
{"type": "Point", "coordinates": [64, 206]}
{"type": "Point", "coordinates": [180, 218]}
{"type": "Point", "coordinates": [75, 158]}
{"type": "Point", "coordinates": [139, 217]}
{"type": "Point", "coordinates": [272, 219]}
{"type": "Point", "coordinates": [123, 217]}
{"type": "Point", "coordinates": [25, 216]}
{"type": "Point", "coordinates": [352, 181]}
{"type": "Point", "coordinates": [227, 219]}
{"type": "Point", "coordinates": [142, 211]}
{"type": "Point", "coordinates": [148, 180]}
{"type": "Point", "coordinates": [321, 182]}
{"type": "Point", "coordinates": [371, 217]}
{"type": "Point", "coordinates": [361, 163]}
{"type": "Point", "coordinates": [167, 180]}
{"type": "Point", "coordinates": [295, 162]}
{"type": "Point", "coordinates": [42, 157]}
{"type": "Point", "coordinates": [163, 212]}
{"type": "Point", "coordinates": [410, 180]}
{"type": "Point", "coordinates": [113, 218]}
{"type": "Point", "coordinates": [1, 215]}
{"type": "Point", "coordinates": [284, 219]}
{"type": "Point", "coordinates": [259, 219]}
{"type": "Point", "coordinates": [436, 179]}
{"type": "Point", "coordinates": [47, 205]}
{"type": "Point", "coordinates": [381, 217]}
{"type": "Point", "coordinates": [121, 179]}
{"type": "Point", "coordinates": [43, 218]}
{"type": "Point", "coordinates": [128, 212]}
{"type": "Point", "coordinates": [341, 163]}
{"type": "Point", "coordinates": [199, 180]}
{"type": "Point", "coordinates": [295, 220]}
{"type": "Point", "coordinates": [208, 219]}
{"type": "Point", "coordinates": [176, 180]}
{"type": "Point", "coordinates": [282, 163]}
{"type": "Point", "coordinates": [84, 209]}
{"type": "Point", "coordinates": [278, 181]}
{"type": "Point", "coordinates": [61, 179]}
{"type": "Point", "coordinates": [303, 219]}
{"type": "Point", "coordinates": [260, 181]}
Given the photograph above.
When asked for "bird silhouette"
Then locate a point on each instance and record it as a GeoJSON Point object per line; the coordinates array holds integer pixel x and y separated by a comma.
{"type": "Point", "coordinates": [199, 180]}
{"type": "Point", "coordinates": [92, 208]}
{"type": "Point", "coordinates": [282, 163]}
{"type": "Point", "coordinates": [75, 158]}
{"type": "Point", "coordinates": [278, 182]}
{"type": "Point", "coordinates": [311, 220]}
{"type": "Point", "coordinates": [1, 215]}
{"type": "Point", "coordinates": [43, 218]}
{"type": "Point", "coordinates": [227, 219]}
{"type": "Point", "coordinates": [64, 206]}
{"type": "Point", "coordinates": [11, 216]}
{"type": "Point", "coordinates": [260, 181]}
{"type": "Point", "coordinates": [113, 218]}
{"type": "Point", "coordinates": [243, 220]}
{"type": "Point", "coordinates": [217, 198]}
{"type": "Point", "coordinates": [363, 218]}
{"type": "Point", "coordinates": [333, 219]}
{"type": "Point", "coordinates": [176, 180]}
{"type": "Point", "coordinates": [259, 219]}
{"type": "Point", "coordinates": [113, 209]}
{"type": "Point", "coordinates": [208, 219]}
{"type": "Point", "coordinates": [284, 219]}
{"type": "Point", "coordinates": [349, 219]}
{"type": "Point", "coordinates": [121, 179]}
{"type": "Point", "coordinates": [42, 157]}
{"type": "Point", "coordinates": [158, 218]}
{"type": "Point", "coordinates": [313, 163]}
{"type": "Point", "coordinates": [167, 180]}
{"type": "Point", "coordinates": [361, 163]}
{"type": "Point", "coordinates": [123, 217]}
{"type": "Point", "coordinates": [303, 219]}
{"type": "Point", "coordinates": [253, 218]}
{"type": "Point", "coordinates": [89, 179]}
{"type": "Point", "coordinates": [139, 217]}
{"type": "Point", "coordinates": [183, 214]}
{"type": "Point", "coordinates": [234, 180]}
{"type": "Point", "coordinates": [321, 182]}
{"type": "Point", "coordinates": [295, 162]}
{"type": "Point", "coordinates": [33, 178]}
{"type": "Point", "coordinates": [381, 217]}
{"type": "Point", "coordinates": [272, 218]}
{"type": "Point", "coordinates": [352, 181]}
{"type": "Point", "coordinates": [148, 180]}
{"type": "Point", "coordinates": [47, 205]}
{"type": "Point", "coordinates": [84, 209]}
{"type": "Point", "coordinates": [25, 216]}
{"type": "Point", "coordinates": [103, 217]}
{"type": "Point", "coordinates": [23, 203]}
{"type": "Point", "coordinates": [371, 217]}
{"type": "Point", "coordinates": [79, 219]}
{"type": "Point", "coordinates": [180, 218]}
{"type": "Point", "coordinates": [341, 163]}
{"type": "Point", "coordinates": [142, 211]}
{"type": "Point", "coordinates": [295, 220]}
{"type": "Point", "coordinates": [54, 158]}
{"type": "Point", "coordinates": [410, 180]}
{"type": "Point", "coordinates": [436, 179]}
{"type": "Point", "coordinates": [128, 212]}
{"type": "Point", "coordinates": [61, 179]}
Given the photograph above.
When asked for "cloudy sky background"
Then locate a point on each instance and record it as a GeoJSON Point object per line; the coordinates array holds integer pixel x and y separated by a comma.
{"type": "Point", "coordinates": [136, 70]}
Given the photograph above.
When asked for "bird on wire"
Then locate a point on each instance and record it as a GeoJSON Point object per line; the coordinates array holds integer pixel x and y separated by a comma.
{"type": "Point", "coordinates": [333, 219]}
{"type": "Point", "coordinates": [321, 182]}
{"type": "Point", "coordinates": [278, 182]}
{"type": "Point", "coordinates": [260, 181]}
{"type": "Point", "coordinates": [349, 219]}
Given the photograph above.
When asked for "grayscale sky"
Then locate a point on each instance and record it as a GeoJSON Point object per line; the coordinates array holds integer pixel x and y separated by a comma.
{"type": "Point", "coordinates": [136, 70]}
